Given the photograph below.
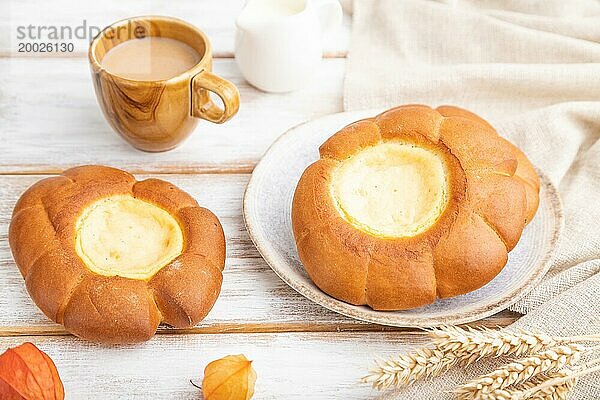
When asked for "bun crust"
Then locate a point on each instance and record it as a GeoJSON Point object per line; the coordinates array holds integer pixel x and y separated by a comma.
{"type": "Point", "coordinates": [113, 309]}
{"type": "Point", "coordinates": [493, 192]}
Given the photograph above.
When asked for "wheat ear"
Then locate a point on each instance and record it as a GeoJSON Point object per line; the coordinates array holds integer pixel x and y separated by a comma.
{"type": "Point", "coordinates": [548, 386]}
{"type": "Point", "coordinates": [559, 385]}
{"type": "Point", "coordinates": [520, 371]}
{"type": "Point", "coordinates": [557, 392]}
{"type": "Point", "coordinates": [407, 368]}
{"type": "Point", "coordinates": [453, 346]}
{"type": "Point", "coordinates": [473, 344]}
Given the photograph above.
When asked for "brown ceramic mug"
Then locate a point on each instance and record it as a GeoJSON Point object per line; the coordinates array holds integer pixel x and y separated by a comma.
{"type": "Point", "coordinates": [158, 115]}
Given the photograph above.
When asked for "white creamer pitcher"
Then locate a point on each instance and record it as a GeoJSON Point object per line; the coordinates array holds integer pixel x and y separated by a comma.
{"type": "Point", "coordinates": [279, 43]}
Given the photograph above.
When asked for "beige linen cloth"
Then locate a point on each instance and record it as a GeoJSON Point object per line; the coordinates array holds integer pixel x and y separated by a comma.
{"type": "Point", "coordinates": [531, 68]}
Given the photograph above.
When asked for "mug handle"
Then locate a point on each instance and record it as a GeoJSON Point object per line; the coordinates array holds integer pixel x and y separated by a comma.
{"type": "Point", "coordinates": [203, 106]}
{"type": "Point", "coordinates": [330, 14]}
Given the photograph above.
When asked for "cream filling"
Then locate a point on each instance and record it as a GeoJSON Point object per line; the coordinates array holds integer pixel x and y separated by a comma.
{"type": "Point", "coordinates": [124, 236]}
{"type": "Point", "coordinates": [392, 189]}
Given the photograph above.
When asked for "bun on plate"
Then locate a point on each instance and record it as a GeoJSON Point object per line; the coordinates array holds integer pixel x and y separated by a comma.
{"type": "Point", "coordinates": [413, 204]}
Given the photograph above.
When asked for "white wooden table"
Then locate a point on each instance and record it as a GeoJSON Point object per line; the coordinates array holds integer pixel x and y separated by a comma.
{"type": "Point", "coordinates": [49, 121]}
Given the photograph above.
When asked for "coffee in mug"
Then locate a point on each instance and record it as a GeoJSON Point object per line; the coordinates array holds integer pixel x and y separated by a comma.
{"type": "Point", "coordinates": [152, 77]}
{"type": "Point", "coordinates": [150, 59]}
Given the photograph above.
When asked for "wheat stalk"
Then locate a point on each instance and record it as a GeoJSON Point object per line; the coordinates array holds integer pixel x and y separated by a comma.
{"type": "Point", "coordinates": [407, 368]}
{"type": "Point", "coordinates": [559, 385]}
{"type": "Point", "coordinates": [474, 344]}
{"type": "Point", "coordinates": [520, 371]}
{"type": "Point", "coordinates": [452, 346]}
{"type": "Point", "coordinates": [547, 386]}
{"type": "Point", "coordinates": [529, 390]}
{"type": "Point", "coordinates": [559, 391]}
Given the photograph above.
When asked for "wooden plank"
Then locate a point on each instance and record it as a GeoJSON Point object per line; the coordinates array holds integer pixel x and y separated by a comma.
{"type": "Point", "coordinates": [253, 298]}
{"type": "Point", "coordinates": [289, 366]}
{"type": "Point", "coordinates": [215, 18]}
{"type": "Point", "coordinates": [45, 131]}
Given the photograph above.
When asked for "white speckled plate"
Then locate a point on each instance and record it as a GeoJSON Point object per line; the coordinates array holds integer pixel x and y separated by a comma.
{"type": "Point", "coordinates": [267, 212]}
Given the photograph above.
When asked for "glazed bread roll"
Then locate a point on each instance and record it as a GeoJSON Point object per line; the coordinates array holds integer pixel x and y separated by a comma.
{"type": "Point", "coordinates": [111, 258]}
{"type": "Point", "coordinates": [413, 204]}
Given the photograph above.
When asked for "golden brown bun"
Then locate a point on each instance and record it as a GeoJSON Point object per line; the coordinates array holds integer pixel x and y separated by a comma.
{"type": "Point", "coordinates": [113, 309]}
{"type": "Point", "coordinates": [493, 194]}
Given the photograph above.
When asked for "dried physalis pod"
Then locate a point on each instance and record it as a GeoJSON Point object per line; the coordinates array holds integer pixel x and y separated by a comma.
{"type": "Point", "coordinates": [229, 378]}
{"type": "Point", "coordinates": [27, 373]}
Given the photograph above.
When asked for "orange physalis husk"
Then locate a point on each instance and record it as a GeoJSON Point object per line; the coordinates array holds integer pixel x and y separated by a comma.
{"type": "Point", "coordinates": [27, 373]}
{"type": "Point", "coordinates": [229, 378]}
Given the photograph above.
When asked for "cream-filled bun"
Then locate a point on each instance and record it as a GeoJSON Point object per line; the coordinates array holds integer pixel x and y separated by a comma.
{"type": "Point", "coordinates": [111, 258]}
{"type": "Point", "coordinates": [413, 204]}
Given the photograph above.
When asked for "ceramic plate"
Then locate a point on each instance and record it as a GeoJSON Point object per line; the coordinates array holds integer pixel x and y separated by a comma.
{"type": "Point", "coordinates": [267, 212]}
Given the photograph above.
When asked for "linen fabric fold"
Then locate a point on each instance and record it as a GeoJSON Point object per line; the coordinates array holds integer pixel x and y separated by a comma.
{"type": "Point", "coordinates": [532, 69]}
